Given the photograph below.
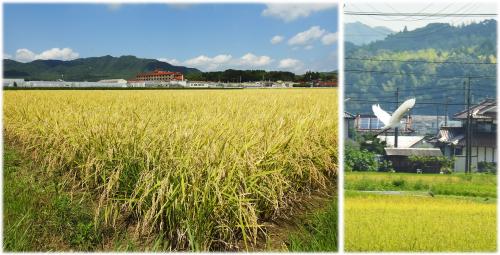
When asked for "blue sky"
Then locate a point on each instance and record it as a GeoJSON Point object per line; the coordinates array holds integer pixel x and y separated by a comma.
{"type": "Point", "coordinates": [205, 36]}
{"type": "Point", "coordinates": [427, 6]}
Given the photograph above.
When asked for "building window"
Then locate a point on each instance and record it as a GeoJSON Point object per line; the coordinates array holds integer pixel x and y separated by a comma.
{"type": "Point", "coordinates": [484, 127]}
{"type": "Point", "coordinates": [375, 123]}
{"type": "Point", "coordinates": [364, 123]}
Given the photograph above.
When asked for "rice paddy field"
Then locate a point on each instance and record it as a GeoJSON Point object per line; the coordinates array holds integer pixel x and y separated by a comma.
{"type": "Point", "coordinates": [170, 169]}
{"type": "Point", "coordinates": [409, 212]}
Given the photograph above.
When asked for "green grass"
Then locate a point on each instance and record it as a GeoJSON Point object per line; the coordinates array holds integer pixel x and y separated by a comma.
{"type": "Point", "coordinates": [476, 185]}
{"type": "Point", "coordinates": [318, 233]}
{"type": "Point", "coordinates": [38, 217]}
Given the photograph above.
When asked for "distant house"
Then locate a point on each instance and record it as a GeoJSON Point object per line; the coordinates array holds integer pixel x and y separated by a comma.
{"type": "Point", "coordinates": [430, 124]}
{"type": "Point", "coordinates": [349, 125]}
{"type": "Point", "coordinates": [365, 123]}
{"type": "Point", "coordinates": [122, 81]}
{"type": "Point", "coordinates": [452, 140]}
{"type": "Point", "coordinates": [13, 82]}
{"type": "Point", "coordinates": [326, 84]}
{"type": "Point", "coordinates": [400, 159]}
{"type": "Point", "coordinates": [406, 141]}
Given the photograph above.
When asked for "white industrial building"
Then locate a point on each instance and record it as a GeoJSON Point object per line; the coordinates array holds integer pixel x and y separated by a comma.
{"type": "Point", "coordinates": [13, 82]}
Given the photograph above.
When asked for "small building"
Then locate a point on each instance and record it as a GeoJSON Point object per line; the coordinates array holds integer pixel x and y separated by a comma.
{"type": "Point", "coordinates": [328, 84]}
{"type": "Point", "coordinates": [452, 140]}
{"type": "Point", "coordinates": [121, 81]}
{"type": "Point", "coordinates": [405, 141]}
{"type": "Point", "coordinates": [400, 159]}
{"type": "Point", "coordinates": [349, 125]}
{"type": "Point", "coordinates": [13, 82]}
{"type": "Point", "coordinates": [366, 123]}
{"type": "Point", "coordinates": [198, 84]}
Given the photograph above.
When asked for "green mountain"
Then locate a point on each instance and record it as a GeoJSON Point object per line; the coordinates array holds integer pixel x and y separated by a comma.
{"type": "Point", "coordinates": [359, 33]}
{"type": "Point", "coordinates": [87, 69]}
{"type": "Point", "coordinates": [430, 63]}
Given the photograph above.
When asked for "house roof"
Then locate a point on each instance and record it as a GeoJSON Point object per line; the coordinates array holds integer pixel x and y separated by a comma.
{"type": "Point", "coordinates": [427, 152]}
{"type": "Point", "coordinates": [348, 115]}
{"type": "Point", "coordinates": [482, 140]}
{"type": "Point", "coordinates": [456, 136]}
{"type": "Point", "coordinates": [487, 109]}
{"type": "Point", "coordinates": [403, 141]}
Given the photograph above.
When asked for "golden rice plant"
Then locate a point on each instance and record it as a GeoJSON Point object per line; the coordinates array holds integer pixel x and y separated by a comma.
{"type": "Point", "coordinates": [202, 168]}
{"type": "Point", "coordinates": [402, 223]}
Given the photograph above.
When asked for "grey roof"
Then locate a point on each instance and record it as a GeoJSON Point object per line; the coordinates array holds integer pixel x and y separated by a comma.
{"type": "Point", "coordinates": [456, 136]}
{"type": "Point", "coordinates": [403, 140]}
{"type": "Point", "coordinates": [487, 109]}
{"type": "Point", "coordinates": [428, 152]}
{"type": "Point", "coordinates": [348, 115]}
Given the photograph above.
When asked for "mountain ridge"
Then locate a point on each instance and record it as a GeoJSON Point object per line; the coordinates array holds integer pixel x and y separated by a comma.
{"type": "Point", "coordinates": [427, 63]}
{"type": "Point", "coordinates": [88, 69]}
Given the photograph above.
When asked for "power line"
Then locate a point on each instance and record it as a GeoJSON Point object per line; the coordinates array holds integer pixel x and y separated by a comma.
{"type": "Point", "coordinates": [441, 87]}
{"type": "Point", "coordinates": [393, 102]}
{"type": "Point", "coordinates": [419, 61]}
{"type": "Point", "coordinates": [401, 14]}
{"type": "Point", "coordinates": [418, 74]}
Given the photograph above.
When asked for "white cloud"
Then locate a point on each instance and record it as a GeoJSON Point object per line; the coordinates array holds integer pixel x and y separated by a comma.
{"type": "Point", "coordinates": [25, 55]}
{"type": "Point", "coordinates": [7, 56]}
{"type": "Point", "coordinates": [308, 36]}
{"type": "Point", "coordinates": [252, 60]}
{"type": "Point", "coordinates": [207, 63]}
{"type": "Point", "coordinates": [329, 38]}
{"type": "Point", "coordinates": [290, 12]}
{"type": "Point", "coordinates": [226, 61]}
{"type": "Point", "coordinates": [309, 47]}
{"type": "Point", "coordinates": [171, 61]}
{"type": "Point", "coordinates": [277, 39]}
{"type": "Point", "coordinates": [60, 54]}
{"type": "Point", "coordinates": [289, 63]}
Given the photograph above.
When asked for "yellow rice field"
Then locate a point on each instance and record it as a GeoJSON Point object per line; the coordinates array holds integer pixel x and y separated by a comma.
{"type": "Point", "coordinates": [419, 223]}
{"type": "Point", "coordinates": [204, 169]}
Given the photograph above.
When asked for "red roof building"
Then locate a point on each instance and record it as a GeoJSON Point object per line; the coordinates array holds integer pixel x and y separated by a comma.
{"type": "Point", "coordinates": [158, 75]}
{"type": "Point", "coordinates": [327, 84]}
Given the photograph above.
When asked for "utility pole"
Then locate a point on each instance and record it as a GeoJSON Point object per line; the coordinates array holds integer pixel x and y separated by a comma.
{"type": "Point", "coordinates": [468, 147]}
{"type": "Point", "coordinates": [437, 118]}
{"type": "Point", "coordinates": [396, 128]}
{"type": "Point", "coordinates": [465, 95]}
{"type": "Point", "coordinates": [446, 112]}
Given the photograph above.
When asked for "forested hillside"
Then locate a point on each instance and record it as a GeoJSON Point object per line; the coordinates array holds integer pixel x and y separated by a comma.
{"type": "Point", "coordinates": [87, 69]}
{"type": "Point", "coordinates": [432, 63]}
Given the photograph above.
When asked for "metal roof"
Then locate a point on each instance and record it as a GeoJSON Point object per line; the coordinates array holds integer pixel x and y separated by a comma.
{"type": "Point", "coordinates": [348, 115]}
{"type": "Point", "coordinates": [428, 152]}
{"type": "Point", "coordinates": [456, 136]}
{"type": "Point", "coordinates": [487, 109]}
{"type": "Point", "coordinates": [403, 141]}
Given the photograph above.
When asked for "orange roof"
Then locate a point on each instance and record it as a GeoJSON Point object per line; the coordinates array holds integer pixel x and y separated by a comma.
{"type": "Point", "coordinates": [158, 73]}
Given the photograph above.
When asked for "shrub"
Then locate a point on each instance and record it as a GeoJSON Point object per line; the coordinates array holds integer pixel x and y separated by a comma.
{"type": "Point", "coordinates": [445, 164]}
{"type": "Point", "coordinates": [371, 143]}
{"type": "Point", "coordinates": [386, 166]}
{"type": "Point", "coordinates": [360, 160]}
{"type": "Point", "coordinates": [398, 183]}
{"type": "Point", "coordinates": [487, 167]}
